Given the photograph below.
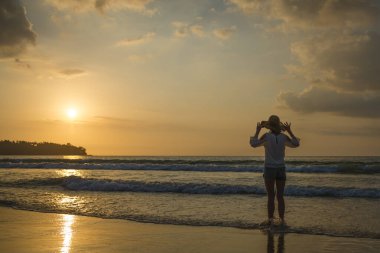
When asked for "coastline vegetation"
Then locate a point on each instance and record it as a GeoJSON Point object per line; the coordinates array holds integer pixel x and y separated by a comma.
{"type": "Point", "coordinates": [8, 147]}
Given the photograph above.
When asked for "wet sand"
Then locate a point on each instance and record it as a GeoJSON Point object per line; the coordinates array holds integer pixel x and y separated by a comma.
{"type": "Point", "coordinates": [27, 231]}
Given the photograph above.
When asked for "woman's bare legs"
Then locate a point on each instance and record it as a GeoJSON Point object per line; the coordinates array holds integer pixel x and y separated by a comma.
{"type": "Point", "coordinates": [280, 186]}
{"type": "Point", "coordinates": [269, 185]}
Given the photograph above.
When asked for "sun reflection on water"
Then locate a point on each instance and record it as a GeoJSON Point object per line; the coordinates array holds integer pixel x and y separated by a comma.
{"type": "Point", "coordinates": [67, 200]}
{"type": "Point", "coordinates": [67, 232]}
{"type": "Point", "coordinates": [69, 172]}
{"type": "Point", "coordinates": [73, 157]}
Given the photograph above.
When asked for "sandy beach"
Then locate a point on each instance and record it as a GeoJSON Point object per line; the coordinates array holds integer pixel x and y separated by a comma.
{"type": "Point", "coordinates": [27, 231]}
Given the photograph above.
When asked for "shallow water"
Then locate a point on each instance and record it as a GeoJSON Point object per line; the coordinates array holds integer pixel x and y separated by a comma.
{"type": "Point", "coordinates": [326, 195]}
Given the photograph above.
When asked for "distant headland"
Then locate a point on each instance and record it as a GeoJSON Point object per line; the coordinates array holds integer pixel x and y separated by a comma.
{"type": "Point", "coordinates": [39, 148]}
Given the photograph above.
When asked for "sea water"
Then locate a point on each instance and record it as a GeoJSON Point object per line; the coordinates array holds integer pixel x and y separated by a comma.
{"type": "Point", "coordinates": [337, 196]}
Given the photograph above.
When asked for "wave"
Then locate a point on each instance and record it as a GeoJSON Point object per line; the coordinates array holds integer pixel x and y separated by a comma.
{"type": "Point", "coordinates": [346, 167]}
{"type": "Point", "coordinates": [76, 183]}
{"type": "Point", "coordinates": [195, 160]}
{"type": "Point", "coordinates": [137, 160]}
{"type": "Point", "coordinates": [190, 222]}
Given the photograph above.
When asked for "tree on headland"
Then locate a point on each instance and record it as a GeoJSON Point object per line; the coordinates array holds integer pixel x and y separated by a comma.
{"type": "Point", "coordinates": [39, 148]}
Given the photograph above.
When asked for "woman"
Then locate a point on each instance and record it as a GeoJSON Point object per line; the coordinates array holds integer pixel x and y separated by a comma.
{"type": "Point", "coordinates": [274, 143]}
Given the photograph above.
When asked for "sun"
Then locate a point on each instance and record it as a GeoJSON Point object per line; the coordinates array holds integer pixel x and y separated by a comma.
{"type": "Point", "coordinates": [72, 113]}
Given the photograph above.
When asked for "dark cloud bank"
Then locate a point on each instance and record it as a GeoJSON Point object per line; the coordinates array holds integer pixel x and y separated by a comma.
{"type": "Point", "coordinates": [316, 99]}
{"type": "Point", "coordinates": [16, 32]}
{"type": "Point", "coordinates": [338, 55]}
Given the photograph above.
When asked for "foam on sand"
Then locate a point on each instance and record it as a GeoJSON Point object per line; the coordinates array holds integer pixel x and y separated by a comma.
{"type": "Point", "coordinates": [41, 232]}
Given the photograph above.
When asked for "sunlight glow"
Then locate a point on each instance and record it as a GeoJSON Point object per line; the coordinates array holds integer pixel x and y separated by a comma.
{"type": "Point", "coordinates": [72, 113]}
{"type": "Point", "coordinates": [67, 232]}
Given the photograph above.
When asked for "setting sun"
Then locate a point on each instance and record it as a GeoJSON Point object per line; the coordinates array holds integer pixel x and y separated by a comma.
{"type": "Point", "coordinates": [72, 113]}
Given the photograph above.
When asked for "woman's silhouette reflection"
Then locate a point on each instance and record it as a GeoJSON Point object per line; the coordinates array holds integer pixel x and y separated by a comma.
{"type": "Point", "coordinates": [280, 243]}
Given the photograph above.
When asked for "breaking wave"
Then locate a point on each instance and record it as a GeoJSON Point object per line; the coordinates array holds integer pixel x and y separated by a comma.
{"type": "Point", "coordinates": [185, 165]}
{"type": "Point", "coordinates": [76, 183]}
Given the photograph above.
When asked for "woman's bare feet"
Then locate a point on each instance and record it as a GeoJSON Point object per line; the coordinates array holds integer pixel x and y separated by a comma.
{"type": "Point", "coordinates": [268, 222]}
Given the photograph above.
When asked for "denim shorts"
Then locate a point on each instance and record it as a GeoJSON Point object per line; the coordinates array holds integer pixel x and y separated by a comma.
{"type": "Point", "coordinates": [274, 173]}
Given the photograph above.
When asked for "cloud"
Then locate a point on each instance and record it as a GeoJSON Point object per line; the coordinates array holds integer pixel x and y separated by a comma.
{"type": "Point", "coordinates": [102, 5]}
{"type": "Point", "coordinates": [248, 6]}
{"type": "Point", "coordinates": [140, 58]}
{"type": "Point", "coordinates": [114, 121]}
{"type": "Point", "coordinates": [316, 99]}
{"type": "Point", "coordinates": [348, 62]}
{"type": "Point", "coordinates": [322, 13]}
{"type": "Point", "coordinates": [22, 64]}
{"type": "Point", "coordinates": [137, 41]}
{"type": "Point", "coordinates": [362, 131]}
{"type": "Point", "coordinates": [142, 124]}
{"type": "Point", "coordinates": [342, 68]}
{"type": "Point", "coordinates": [303, 14]}
{"type": "Point", "coordinates": [336, 52]}
{"type": "Point", "coordinates": [197, 30]}
{"type": "Point", "coordinates": [181, 29]}
{"type": "Point", "coordinates": [16, 32]}
{"type": "Point", "coordinates": [71, 72]}
{"type": "Point", "coordinates": [224, 33]}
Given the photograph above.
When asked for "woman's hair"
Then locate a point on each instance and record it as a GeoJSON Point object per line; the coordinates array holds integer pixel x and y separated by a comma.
{"type": "Point", "coordinates": [274, 124]}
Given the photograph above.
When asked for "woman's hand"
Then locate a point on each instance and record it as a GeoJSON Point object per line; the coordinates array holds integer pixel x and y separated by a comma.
{"type": "Point", "coordinates": [258, 127]}
{"type": "Point", "coordinates": [295, 141]}
{"type": "Point", "coordinates": [286, 126]}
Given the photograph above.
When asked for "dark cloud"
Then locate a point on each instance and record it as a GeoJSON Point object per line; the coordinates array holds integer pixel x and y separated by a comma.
{"type": "Point", "coordinates": [343, 61]}
{"type": "Point", "coordinates": [22, 64]}
{"type": "Point", "coordinates": [343, 69]}
{"type": "Point", "coordinates": [336, 50]}
{"type": "Point", "coordinates": [369, 131]}
{"type": "Point", "coordinates": [71, 72]}
{"type": "Point", "coordinates": [16, 32]}
{"type": "Point", "coordinates": [100, 4]}
{"type": "Point", "coordinates": [316, 99]}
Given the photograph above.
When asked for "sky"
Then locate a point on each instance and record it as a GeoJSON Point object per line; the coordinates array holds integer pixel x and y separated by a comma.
{"type": "Point", "coordinates": [163, 77]}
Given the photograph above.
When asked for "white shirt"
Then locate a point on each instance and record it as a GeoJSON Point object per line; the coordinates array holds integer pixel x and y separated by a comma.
{"type": "Point", "coordinates": [274, 147]}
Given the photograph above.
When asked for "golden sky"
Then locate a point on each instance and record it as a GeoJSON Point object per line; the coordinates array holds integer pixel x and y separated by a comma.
{"type": "Point", "coordinates": [145, 77]}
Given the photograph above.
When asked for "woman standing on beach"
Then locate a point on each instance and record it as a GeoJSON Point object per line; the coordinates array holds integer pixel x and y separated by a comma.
{"type": "Point", "coordinates": [274, 143]}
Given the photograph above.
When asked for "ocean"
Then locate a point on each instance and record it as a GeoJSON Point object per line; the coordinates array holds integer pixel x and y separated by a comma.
{"type": "Point", "coordinates": [336, 196]}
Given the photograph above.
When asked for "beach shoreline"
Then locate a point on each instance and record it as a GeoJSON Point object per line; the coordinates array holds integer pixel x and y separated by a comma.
{"type": "Point", "coordinates": [29, 231]}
